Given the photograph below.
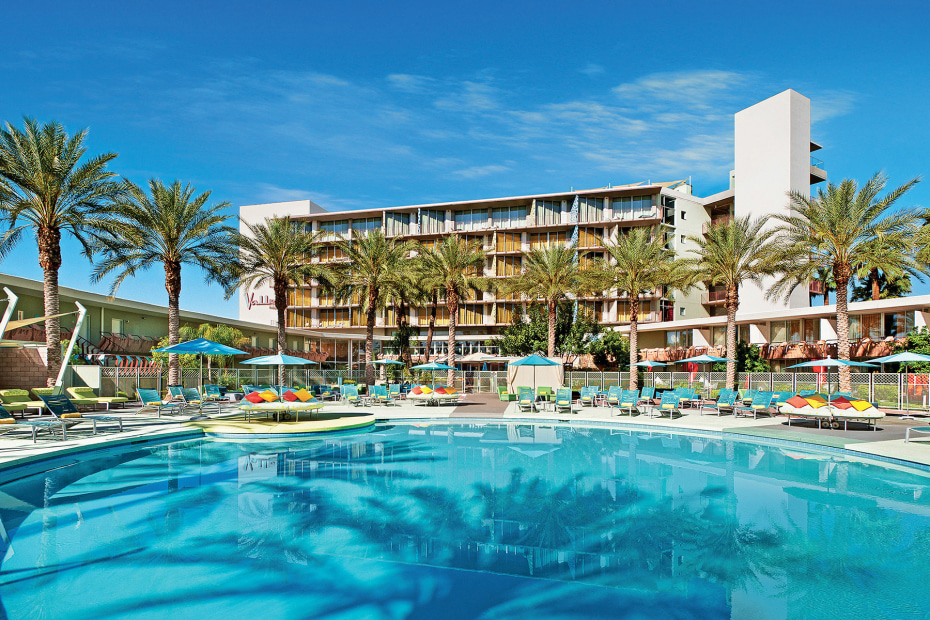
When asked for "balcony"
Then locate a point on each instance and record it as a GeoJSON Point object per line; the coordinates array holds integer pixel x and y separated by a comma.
{"type": "Point", "coordinates": [714, 298]}
{"type": "Point", "coordinates": [714, 222]}
{"type": "Point", "coordinates": [815, 287]}
{"type": "Point", "coordinates": [818, 174]}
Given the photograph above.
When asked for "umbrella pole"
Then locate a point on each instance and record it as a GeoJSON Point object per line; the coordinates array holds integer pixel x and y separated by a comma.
{"type": "Point", "coordinates": [907, 398]}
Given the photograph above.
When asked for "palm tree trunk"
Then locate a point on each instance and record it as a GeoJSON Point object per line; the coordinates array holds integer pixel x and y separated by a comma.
{"type": "Point", "coordinates": [370, 337]}
{"type": "Point", "coordinates": [50, 260]}
{"type": "Point", "coordinates": [876, 289]}
{"type": "Point", "coordinates": [452, 302]}
{"type": "Point", "coordinates": [280, 304]}
{"type": "Point", "coordinates": [634, 341]}
{"type": "Point", "coordinates": [432, 327]}
{"type": "Point", "coordinates": [173, 286]}
{"type": "Point", "coordinates": [403, 324]}
{"type": "Point", "coordinates": [732, 304]}
{"type": "Point", "coordinates": [552, 317]}
{"type": "Point", "coordinates": [842, 328]}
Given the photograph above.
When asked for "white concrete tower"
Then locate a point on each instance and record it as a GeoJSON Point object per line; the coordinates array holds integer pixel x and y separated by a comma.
{"type": "Point", "coordinates": [772, 153]}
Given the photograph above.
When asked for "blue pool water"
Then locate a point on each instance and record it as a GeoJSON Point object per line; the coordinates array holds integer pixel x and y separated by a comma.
{"type": "Point", "coordinates": [466, 521]}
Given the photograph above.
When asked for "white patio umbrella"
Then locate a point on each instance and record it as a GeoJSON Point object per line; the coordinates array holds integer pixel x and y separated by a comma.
{"type": "Point", "coordinates": [904, 359]}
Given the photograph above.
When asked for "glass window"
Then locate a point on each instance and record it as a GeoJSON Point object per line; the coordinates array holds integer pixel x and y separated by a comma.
{"type": "Point", "coordinates": [589, 259]}
{"type": "Point", "coordinates": [632, 207]}
{"type": "Point", "coordinates": [334, 318]}
{"type": "Point", "coordinates": [442, 316]}
{"type": "Point", "coordinates": [590, 238]}
{"type": "Point", "coordinates": [590, 209]}
{"type": "Point", "coordinates": [471, 314]}
{"type": "Point", "coordinates": [548, 212]}
{"type": "Point", "coordinates": [899, 324]}
{"type": "Point", "coordinates": [508, 265]}
{"type": "Point", "coordinates": [397, 224]}
{"type": "Point", "coordinates": [506, 312]}
{"type": "Point", "coordinates": [363, 227]}
{"type": "Point", "coordinates": [593, 310]}
{"type": "Point", "coordinates": [471, 219]}
{"type": "Point", "coordinates": [865, 326]}
{"type": "Point", "coordinates": [508, 216]}
{"type": "Point", "coordinates": [432, 221]}
{"type": "Point", "coordinates": [542, 240]}
{"type": "Point", "coordinates": [509, 242]}
{"type": "Point", "coordinates": [718, 336]}
{"type": "Point", "coordinates": [678, 338]}
{"type": "Point", "coordinates": [811, 330]}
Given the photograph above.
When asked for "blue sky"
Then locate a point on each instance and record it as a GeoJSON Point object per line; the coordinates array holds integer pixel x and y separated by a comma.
{"type": "Point", "coordinates": [370, 104]}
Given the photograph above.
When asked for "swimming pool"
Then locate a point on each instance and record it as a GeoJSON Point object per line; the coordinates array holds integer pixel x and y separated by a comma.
{"type": "Point", "coordinates": [479, 520]}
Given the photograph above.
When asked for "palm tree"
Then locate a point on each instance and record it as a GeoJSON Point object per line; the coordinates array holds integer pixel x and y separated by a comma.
{"type": "Point", "coordinates": [886, 265]}
{"type": "Point", "coordinates": [375, 271]}
{"type": "Point", "coordinates": [838, 229]}
{"type": "Point", "coordinates": [172, 226]}
{"type": "Point", "coordinates": [824, 275]}
{"type": "Point", "coordinates": [454, 266]}
{"type": "Point", "coordinates": [45, 186]}
{"type": "Point", "coordinates": [638, 263]}
{"type": "Point", "coordinates": [550, 274]}
{"type": "Point", "coordinates": [732, 252]}
{"type": "Point", "coordinates": [276, 252]}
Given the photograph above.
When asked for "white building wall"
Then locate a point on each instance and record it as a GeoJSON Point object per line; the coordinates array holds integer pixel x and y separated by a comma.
{"type": "Point", "coordinates": [772, 153]}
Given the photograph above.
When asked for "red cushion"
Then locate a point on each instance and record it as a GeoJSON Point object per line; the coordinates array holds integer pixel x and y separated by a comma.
{"type": "Point", "coordinates": [797, 402]}
{"type": "Point", "coordinates": [440, 390]}
{"type": "Point", "coordinates": [841, 403]}
{"type": "Point", "coordinates": [254, 397]}
{"type": "Point", "coordinates": [417, 390]}
{"type": "Point", "coordinates": [289, 396]}
{"type": "Point", "coordinates": [839, 399]}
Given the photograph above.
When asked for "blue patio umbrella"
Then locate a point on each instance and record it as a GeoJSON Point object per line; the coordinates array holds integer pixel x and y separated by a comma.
{"type": "Point", "coordinates": [829, 363]}
{"type": "Point", "coordinates": [201, 347]}
{"type": "Point", "coordinates": [648, 364]}
{"type": "Point", "coordinates": [905, 358]}
{"type": "Point", "coordinates": [278, 359]}
{"type": "Point", "coordinates": [433, 367]}
{"type": "Point", "coordinates": [534, 361]}
{"type": "Point", "coordinates": [387, 363]}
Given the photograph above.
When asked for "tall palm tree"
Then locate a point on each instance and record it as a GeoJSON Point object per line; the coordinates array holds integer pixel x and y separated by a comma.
{"type": "Point", "coordinates": [824, 275]}
{"type": "Point", "coordinates": [638, 263]}
{"type": "Point", "coordinates": [838, 229]}
{"type": "Point", "coordinates": [454, 266]}
{"type": "Point", "coordinates": [276, 252]}
{"type": "Point", "coordinates": [551, 274]}
{"type": "Point", "coordinates": [170, 225]}
{"type": "Point", "coordinates": [732, 252]}
{"type": "Point", "coordinates": [45, 186]}
{"type": "Point", "coordinates": [886, 264]}
{"type": "Point", "coordinates": [375, 271]}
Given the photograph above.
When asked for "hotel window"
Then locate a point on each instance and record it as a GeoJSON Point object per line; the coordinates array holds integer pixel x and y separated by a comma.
{"type": "Point", "coordinates": [589, 259]}
{"type": "Point", "coordinates": [811, 330]}
{"type": "Point", "coordinates": [442, 316]}
{"type": "Point", "coordinates": [363, 227]}
{"type": "Point", "coordinates": [508, 265]}
{"type": "Point", "coordinates": [506, 217]}
{"type": "Point", "coordinates": [632, 207]}
{"type": "Point", "coordinates": [325, 299]}
{"type": "Point", "coordinates": [298, 297]}
{"type": "Point", "coordinates": [865, 326]}
{"type": "Point", "coordinates": [623, 311]}
{"type": "Point", "coordinates": [718, 336]}
{"type": "Point", "coordinates": [333, 318]}
{"type": "Point", "coordinates": [899, 324]}
{"type": "Point", "coordinates": [590, 238]}
{"type": "Point", "coordinates": [397, 224]}
{"type": "Point", "coordinates": [548, 212]}
{"type": "Point", "coordinates": [590, 209]}
{"type": "Point", "coordinates": [479, 239]}
{"type": "Point", "coordinates": [358, 318]}
{"type": "Point", "coordinates": [678, 338]}
{"type": "Point", "coordinates": [509, 242]}
{"type": "Point", "coordinates": [329, 253]}
{"type": "Point", "coordinates": [339, 227]}
{"type": "Point", "coordinates": [502, 295]}
{"type": "Point", "coordinates": [591, 309]}
{"type": "Point", "coordinates": [743, 333]}
{"type": "Point", "coordinates": [432, 222]}
{"type": "Point", "coordinates": [471, 314]}
{"type": "Point", "coordinates": [506, 313]}
{"type": "Point", "coordinates": [542, 240]}
{"type": "Point", "coordinates": [471, 219]}
{"type": "Point", "coordinates": [786, 331]}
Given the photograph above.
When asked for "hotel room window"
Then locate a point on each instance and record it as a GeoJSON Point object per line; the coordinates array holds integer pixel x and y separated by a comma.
{"type": "Point", "coordinates": [397, 224]}
{"type": "Point", "coordinates": [506, 217]}
{"type": "Point", "coordinates": [509, 242]}
{"type": "Point", "coordinates": [471, 219]}
{"type": "Point", "coordinates": [360, 228]}
{"type": "Point", "coordinates": [590, 209]}
{"type": "Point", "coordinates": [548, 212]}
{"type": "Point", "coordinates": [432, 222]}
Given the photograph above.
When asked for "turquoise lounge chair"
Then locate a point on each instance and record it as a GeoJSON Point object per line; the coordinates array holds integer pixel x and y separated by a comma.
{"type": "Point", "coordinates": [669, 403]}
{"type": "Point", "coordinates": [563, 400]}
{"type": "Point", "coordinates": [629, 399]}
{"type": "Point", "coordinates": [526, 400]}
{"type": "Point", "coordinates": [151, 400]}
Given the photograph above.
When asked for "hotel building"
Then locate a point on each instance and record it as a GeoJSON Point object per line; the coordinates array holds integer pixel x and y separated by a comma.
{"type": "Point", "coordinates": [773, 148]}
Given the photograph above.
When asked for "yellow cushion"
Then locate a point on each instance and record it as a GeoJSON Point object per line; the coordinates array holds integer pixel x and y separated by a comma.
{"type": "Point", "coordinates": [303, 395]}
{"type": "Point", "coordinates": [154, 403]}
{"type": "Point", "coordinates": [860, 405]}
{"type": "Point", "coordinates": [7, 421]}
{"type": "Point", "coordinates": [426, 390]}
{"type": "Point", "coordinates": [815, 403]}
{"type": "Point", "coordinates": [70, 415]}
{"type": "Point", "coordinates": [269, 396]}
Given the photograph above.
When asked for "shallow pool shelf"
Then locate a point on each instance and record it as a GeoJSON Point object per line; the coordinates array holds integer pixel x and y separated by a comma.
{"type": "Point", "coordinates": [239, 427]}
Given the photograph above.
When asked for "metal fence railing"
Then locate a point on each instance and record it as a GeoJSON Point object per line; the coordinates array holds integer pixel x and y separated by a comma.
{"type": "Point", "coordinates": [888, 390]}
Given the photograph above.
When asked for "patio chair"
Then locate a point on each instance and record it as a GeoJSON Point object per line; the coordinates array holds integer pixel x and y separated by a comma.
{"type": "Point", "coordinates": [526, 399]}
{"type": "Point", "coordinates": [647, 394]}
{"type": "Point", "coordinates": [563, 400]}
{"type": "Point", "coordinates": [381, 395]}
{"type": "Point", "coordinates": [613, 396]}
{"type": "Point", "coordinates": [394, 391]}
{"type": "Point", "coordinates": [8, 423]}
{"type": "Point", "coordinates": [88, 393]}
{"type": "Point", "coordinates": [504, 395]}
{"type": "Point", "coordinates": [350, 395]}
{"type": "Point", "coordinates": [61, 408]}
{"type": "Point", "coordinates": [151, 400]}
{"type": "Point", "coordinates": [689, 397]}
{"type": "Point", "coordinates": [746, 396]}
{"type": "Point", "coordinates": [88, 403]}
{"type": "Point", "coordinates": [212, 393]}
{"type": "Point", "coordinates": [193, 398]}
{"type": "Point", "coordinates": [726, 401]}
{"type": "Point", "coordinates": [760, 404]}
{"type": "Point", "coordinates": [21, 397]}
{"type": "Point", "coordinates": [629, 399]}
{"type": "Point", "coordinates": [669, 403]}
{"type": "Point", "coordinates": [588, 396]}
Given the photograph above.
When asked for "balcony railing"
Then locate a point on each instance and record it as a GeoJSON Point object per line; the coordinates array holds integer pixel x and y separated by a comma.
{"type": "Point", "coordinates": [713, 297]}
{"type": "Point", "coordinates": [816, 287]}
{"type": "Point", "coordinates": [715, 222]}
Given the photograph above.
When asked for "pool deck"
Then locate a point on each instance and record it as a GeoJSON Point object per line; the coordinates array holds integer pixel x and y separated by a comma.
{"type": "Point", "coordinates": [16, 448]}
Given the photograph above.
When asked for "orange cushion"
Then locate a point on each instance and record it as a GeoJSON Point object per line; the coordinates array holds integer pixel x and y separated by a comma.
{"type": "Point", "coordinates": [816, 397]}
{"type": "Point", "coordinates": [303, 395]}
{"type": "Point", "coordinates": [416, 390]}
{"type": "Point", "coordinates": [451, 390]}
{"type": "Point", "coordinates": [70, 415]}
{"type": "Point", "coordinates": [289, 396]}
{"type": "Point", "coordinates": [797, 402]}
{"type": "Point", "coordinates": [841, 403]}
{"type": "Point", "coordinates": [269, 396]}
{"type": "Point", "coordinates": [815, 403]}
{"type": "Point", "coordinates": [860, 405]}
{"type": "Point", "coordinates": [254, 397]}
{"type": "Point", "coordinates": [7, 421]}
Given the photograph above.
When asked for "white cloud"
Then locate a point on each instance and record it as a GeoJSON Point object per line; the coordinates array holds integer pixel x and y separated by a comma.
{"type": "Point", "coordinates": [477, 172]}
{"type": "Point", "coordinates": [830, 104]}
{"type": "Point", "coordinates": [684, 89]}
{"type": "Point", "coordinates": [592, 69]}
{"type": "Point", "coordinates": [414, 84]}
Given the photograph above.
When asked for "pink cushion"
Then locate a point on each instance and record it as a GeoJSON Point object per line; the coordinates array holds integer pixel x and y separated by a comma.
{"type": "Point", "coordinates": [416, 390]}
{"type": "Point", "coordinates": [841, 403]}
{"type": "Point", "coordinates": [254, 397]}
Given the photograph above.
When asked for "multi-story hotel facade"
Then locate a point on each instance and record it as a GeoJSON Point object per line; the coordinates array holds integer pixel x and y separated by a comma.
{"type": "Point", "coordinates": [772, 147]}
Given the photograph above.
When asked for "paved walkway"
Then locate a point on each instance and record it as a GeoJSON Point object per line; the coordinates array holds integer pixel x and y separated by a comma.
{"type": "Point", "coordinates": [887, 441]}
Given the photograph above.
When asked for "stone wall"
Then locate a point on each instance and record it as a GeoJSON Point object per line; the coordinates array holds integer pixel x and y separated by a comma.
{"type": "Point", "coordinates": [23, 368]}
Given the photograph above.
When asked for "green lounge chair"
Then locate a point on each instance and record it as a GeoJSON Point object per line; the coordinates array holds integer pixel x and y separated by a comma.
{"type": "Point", "coordinates": [78, 402]}
{"type": "Point", "coordinates": [86, 393]}
{"type": "Point", "coordinates": [350, 395]}
{"type": "Point", "coordinates": [647, 394]}
{"type": "Point", "coordinates": [504, 395]}
{"type": "Point", "coordinates": [381, 395]}
{"type": "Point", "coordinates": [613, 396]}
{"type": "Point", "coordinates": [588, 396]}
{"type": "Point", "coordinates": [760, 404]}
{"type": "Point", "coordinates": [726, 401]}
{"type": "Point", "coordinates": [669, 403]}
{"type": "Point", "coordinates": [628, 401]}
{"type": "Point", "coordinates": [21, 397]}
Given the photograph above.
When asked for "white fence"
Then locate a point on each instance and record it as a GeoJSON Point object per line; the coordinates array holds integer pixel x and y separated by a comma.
{"type": "Point", "coordinates": [885, 389]}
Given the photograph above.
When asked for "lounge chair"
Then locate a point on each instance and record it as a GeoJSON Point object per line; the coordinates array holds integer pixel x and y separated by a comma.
{"type": "Point", "coordinates": [760, 404]}
{"type": "Point", "coordinates": [504, 395]}
{"type": "Point", "coordinates": [87, 393]}
{"type": "Point", "coordinates": [350, 395]}
{"type": "Point", "coordinates": [669, 403]}
{"type": "Point", "coordinates": [726, 401]}
{"type": "Point", "coordinates": [21, 397]}
{"type": "Point", "coordinates": [629, 399]}
{"type": "Point", "coordinates": [193, 398]}
{"type": "Point", "coordinates": [746, 396]}
{"type": "Point", "coordinates": [61, 408]}
{"type": "Point", "coordinates": [90, 403]}
{"type": "Point", "coordinates": [647, 394]}
{"type": "Point", "coordinates": [8, 423]}
{"type": "Point", "coordinates": [613, 396]}
{"type": "Point", "coordinates": [563, 400]}
{"type": "Point", "coordinates": [213, 394]}
{"type": "Point", "coordinates": [380, 395]}
{"type": "Point", "coordinates": [588, 396]}
{"type": "Point", "coordinates": [394, 391]}
{"type": "Point", "coordinates": [526, 400]}
{"type": "Point", "coordinates": [689, 397]}
{"type": "Point", "coordinates": [151, 400]}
